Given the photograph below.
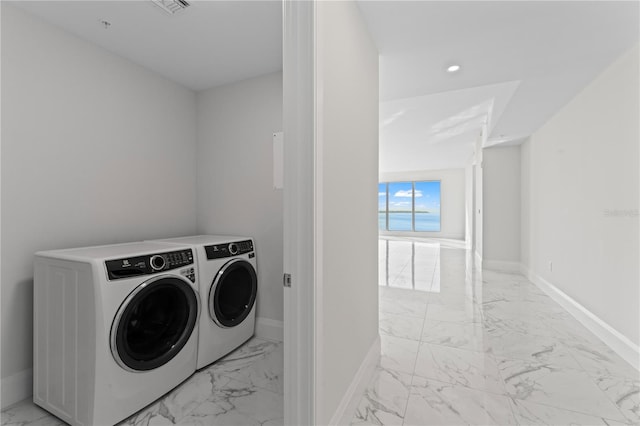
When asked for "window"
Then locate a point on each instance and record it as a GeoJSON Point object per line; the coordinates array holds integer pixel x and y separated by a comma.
{"type": "Point", "coordinates": [427, 206]}
{"type": "Point", "coordinates": [382, 206]}
{"type": "Point", "coordinates": [409, 206]}
{"type": "Point", "coordinates": [400, 206]}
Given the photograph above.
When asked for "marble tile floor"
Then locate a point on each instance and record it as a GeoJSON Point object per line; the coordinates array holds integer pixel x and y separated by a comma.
{"type": "Point", "coordinates": [463, 347]}
{"type": "Point", "coordinates": [458, 347]}
{"type": "Point", "coordinates": [244, 388]}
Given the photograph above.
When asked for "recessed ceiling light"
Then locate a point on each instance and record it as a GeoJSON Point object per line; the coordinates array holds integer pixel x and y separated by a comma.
{"type": "Point", "coordinates": [453, 68]}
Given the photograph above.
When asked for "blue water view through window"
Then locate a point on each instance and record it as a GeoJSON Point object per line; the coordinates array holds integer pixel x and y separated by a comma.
{"type": "Point", "coordinates": [409, 206]}
{"type": "Point", "coordinates": [382, 206]}
{"type": "Point", "coordinates": [427, 206]}
{"type": "Point", "coordinates": [400, 206]}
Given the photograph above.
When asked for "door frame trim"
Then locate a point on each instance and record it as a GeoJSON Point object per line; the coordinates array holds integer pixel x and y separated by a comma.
{"type": "Point", "coordinates": [302, 392]}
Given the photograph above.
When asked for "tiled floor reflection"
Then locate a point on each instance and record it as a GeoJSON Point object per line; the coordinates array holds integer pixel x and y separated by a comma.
{"type": "Point", "coordinates": [244, 388]}
{"type": "Point", "coordinates": [463, 347]}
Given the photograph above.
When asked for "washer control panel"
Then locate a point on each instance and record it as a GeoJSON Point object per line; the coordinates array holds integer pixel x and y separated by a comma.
{"type": "Point", "coordinates": [236, 248]}
{"type": "Point", "coordinates": [149, 264]}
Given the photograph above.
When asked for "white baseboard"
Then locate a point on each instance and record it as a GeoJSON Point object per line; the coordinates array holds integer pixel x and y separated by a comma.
{"type": "Point", "coordinates": [16, 388]}
{"type": "Point", "coordinates": [501, 265]}
{"type": "Point", "coordinates": [269, 329]}
{"type": "Point", "coordinates": [619, 343]}
{"type": "Point", "coordinates": [349, 403]}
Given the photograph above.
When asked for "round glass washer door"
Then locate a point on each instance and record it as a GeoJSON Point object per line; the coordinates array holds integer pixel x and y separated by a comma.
{"type": "Point", "coordinates": [154, 323]}
{"type": "Point", "coordinates": [233, 293]}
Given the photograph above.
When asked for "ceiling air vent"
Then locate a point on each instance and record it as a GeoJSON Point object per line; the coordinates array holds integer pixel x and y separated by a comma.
{"type": "Point", "coordinates": [171, 6]}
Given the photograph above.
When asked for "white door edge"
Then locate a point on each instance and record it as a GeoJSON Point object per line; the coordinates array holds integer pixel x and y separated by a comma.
{"type": "Point", "coordinates": [300, 244]}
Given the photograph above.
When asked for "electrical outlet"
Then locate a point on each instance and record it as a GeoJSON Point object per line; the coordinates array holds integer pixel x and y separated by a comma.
{"type": "Point", "coordinates": [550, 266]}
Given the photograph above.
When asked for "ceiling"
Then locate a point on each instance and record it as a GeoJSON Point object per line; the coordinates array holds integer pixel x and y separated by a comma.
{"type": "Point", "coordinates": [520, 63]}
{"type": "Point", "coordinates": [521, 60]}
{"type": "Point", "coordinates": [208, 44]}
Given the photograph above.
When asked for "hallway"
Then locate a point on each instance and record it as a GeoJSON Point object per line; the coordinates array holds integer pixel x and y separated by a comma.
{"type": "Point", "coordinates": [464, 347]}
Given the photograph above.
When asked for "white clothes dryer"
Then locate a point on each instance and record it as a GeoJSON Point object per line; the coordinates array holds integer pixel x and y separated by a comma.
{"type": "Point", "coordinates": [228, 272]}
{"type": "Point", "coordinates": [115, 328]}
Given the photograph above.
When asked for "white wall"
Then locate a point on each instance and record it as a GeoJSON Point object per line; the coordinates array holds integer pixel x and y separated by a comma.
{"type": "Point", "coordinates": [347, 160]}
{"type": "Point", "coordinates": [95, 150]}
{"type": "Point", "coordinates": [452, 200]}
{"type": "Point", "coordinates": [501, 199]}
{"type": "Point", "coordinates": [235, 175]}
{"type": "Point", "coordinates": [583, 203]}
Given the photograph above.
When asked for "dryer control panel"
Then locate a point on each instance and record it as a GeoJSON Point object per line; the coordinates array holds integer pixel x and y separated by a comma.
{"type": "Point", "coordinates": [149, 264]}
{"type": "Point", "coordinates": [237, 248]}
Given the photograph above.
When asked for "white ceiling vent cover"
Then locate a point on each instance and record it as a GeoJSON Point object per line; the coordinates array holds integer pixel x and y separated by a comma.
{"type": "Point", "coordinates": [171, 6]}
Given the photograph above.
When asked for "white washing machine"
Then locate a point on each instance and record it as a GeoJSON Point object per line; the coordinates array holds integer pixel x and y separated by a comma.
{"type": "Point", "coordinates": [229, 286]}
{"type": "Point", "coordinates": [115, 328]}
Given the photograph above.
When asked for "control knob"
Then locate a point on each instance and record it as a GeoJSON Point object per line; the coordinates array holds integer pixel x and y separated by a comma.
{"type": "Point", "coordinates": [157, 262]}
